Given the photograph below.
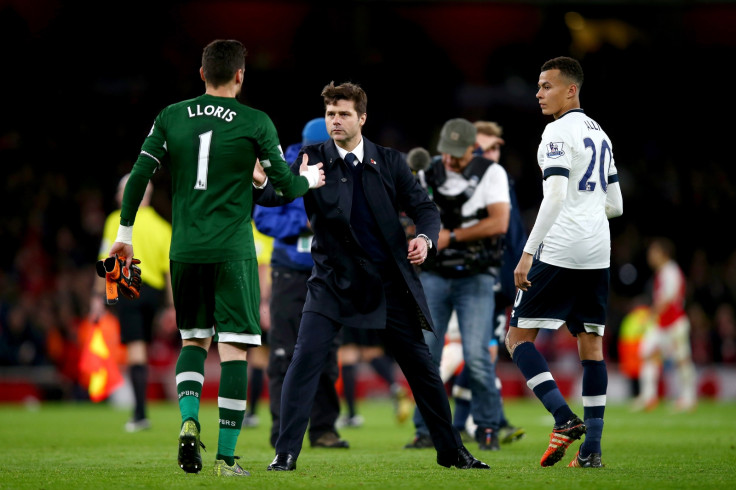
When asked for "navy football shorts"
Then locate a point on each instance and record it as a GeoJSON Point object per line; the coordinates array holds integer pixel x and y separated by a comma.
{"type": "Point", "coordinates": [577, 297]}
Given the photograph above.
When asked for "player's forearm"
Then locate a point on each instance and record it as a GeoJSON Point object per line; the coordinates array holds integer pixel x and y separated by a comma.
{"type": "Point", "coordinates": [614, 201]}
{"type": "Point", "coordinates": [134, 190]}
{"type": "Point", "coordinates": [549, 210]}
{"type": "Point", "coordinates": [281, 177]}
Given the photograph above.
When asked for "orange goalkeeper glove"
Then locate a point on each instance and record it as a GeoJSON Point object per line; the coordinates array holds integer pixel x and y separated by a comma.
{"type": "Point", "coordinates": [120, 279]}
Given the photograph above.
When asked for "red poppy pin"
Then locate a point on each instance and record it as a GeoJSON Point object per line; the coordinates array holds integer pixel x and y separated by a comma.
{"type": "Point", "coordinates": [373, 161]}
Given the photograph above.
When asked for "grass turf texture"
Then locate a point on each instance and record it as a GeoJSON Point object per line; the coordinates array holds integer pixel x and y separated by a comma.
{"type": "Point", "coordinates": [84, 446]}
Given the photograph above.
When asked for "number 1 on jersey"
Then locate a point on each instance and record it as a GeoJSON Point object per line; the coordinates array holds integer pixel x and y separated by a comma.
{"type": "Point", "coordinates": [203, 160]}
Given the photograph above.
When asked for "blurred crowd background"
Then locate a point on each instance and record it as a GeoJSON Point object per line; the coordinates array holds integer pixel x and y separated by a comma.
{"type": "Point", "coordinates": [82, 84]}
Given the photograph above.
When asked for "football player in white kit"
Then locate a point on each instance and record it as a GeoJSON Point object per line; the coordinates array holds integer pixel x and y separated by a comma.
{"type": "Point", "coordinates": [563, 275]}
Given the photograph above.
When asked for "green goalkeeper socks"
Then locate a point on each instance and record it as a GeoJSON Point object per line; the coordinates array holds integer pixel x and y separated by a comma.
{"type": "Point", "coordinates": [231, 402]}
{"type": "Point", "coordinates": [189, 380]}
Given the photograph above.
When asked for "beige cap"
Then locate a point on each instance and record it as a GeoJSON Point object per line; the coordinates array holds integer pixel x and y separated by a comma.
{"type": "Point", "coordinates": [456, 136]}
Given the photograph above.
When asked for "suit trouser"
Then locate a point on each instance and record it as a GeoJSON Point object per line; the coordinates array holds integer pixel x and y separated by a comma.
{"type": "Point", "coordinates": [288, 292]}
{"type": "Point", "coordinates": [402, 338]}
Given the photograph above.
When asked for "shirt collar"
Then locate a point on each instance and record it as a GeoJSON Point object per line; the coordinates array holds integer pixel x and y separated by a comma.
{"type": "Point", "coordinates": [571, 111]}
{"type": "Point", "coordinates": [358, 151]}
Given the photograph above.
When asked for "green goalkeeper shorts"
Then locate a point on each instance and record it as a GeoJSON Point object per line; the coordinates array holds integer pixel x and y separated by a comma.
{"type": "Point", "coordinates": [219, 300]}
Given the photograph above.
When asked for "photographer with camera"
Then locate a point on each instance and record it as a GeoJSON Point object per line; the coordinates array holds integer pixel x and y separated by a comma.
{"type": "Point", "coordinates": [472, 194]}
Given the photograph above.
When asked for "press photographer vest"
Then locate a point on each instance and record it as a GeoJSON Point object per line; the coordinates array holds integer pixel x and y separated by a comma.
{"type": "Point", "coordinates": [463, 258]}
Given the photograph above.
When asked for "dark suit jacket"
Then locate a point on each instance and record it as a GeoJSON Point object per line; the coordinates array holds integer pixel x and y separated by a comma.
{"type": "Point", "coordinates": [346, 285]}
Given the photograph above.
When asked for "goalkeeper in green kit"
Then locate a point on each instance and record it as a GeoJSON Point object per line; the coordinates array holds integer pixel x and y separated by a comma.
{"type": "Point", "coordinates": [213, 143]}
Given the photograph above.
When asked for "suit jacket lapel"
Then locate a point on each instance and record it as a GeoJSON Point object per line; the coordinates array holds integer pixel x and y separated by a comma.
{"type": "Point", "coordinates": [378, 199]}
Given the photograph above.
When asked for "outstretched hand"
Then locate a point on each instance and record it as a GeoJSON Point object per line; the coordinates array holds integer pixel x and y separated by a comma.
{"type": "Point", "coordinates": [313, 173]}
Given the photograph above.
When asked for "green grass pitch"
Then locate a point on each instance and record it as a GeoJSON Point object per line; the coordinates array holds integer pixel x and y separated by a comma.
{"type": "Point", "coordinates": [83, 446]}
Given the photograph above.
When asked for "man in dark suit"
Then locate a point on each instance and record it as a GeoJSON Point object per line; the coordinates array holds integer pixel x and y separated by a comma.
{"type": "Point", "coordinates": [364, 275]}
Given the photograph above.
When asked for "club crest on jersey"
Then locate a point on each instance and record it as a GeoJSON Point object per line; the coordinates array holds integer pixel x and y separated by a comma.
{"type": "Point", "coordinates": [554, 149]}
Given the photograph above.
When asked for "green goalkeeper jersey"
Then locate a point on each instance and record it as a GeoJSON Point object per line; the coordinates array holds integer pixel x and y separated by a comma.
{"type": "Point", "coordinates": [212, 144]}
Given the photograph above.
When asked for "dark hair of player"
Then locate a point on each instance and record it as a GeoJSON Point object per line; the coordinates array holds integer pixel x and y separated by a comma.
{"type": "Point", "coordinates": [221, 59]}
{"type": "Point", "coordinates": [569, 68]}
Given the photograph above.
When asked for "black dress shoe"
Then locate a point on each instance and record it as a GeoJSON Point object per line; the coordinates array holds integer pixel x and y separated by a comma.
{"type": "Point", "coordinates": [331, 440]}
{"type": "Point", "coordinates": [461, 459]}
{"type": "Point", "coordinates": [283, 462]}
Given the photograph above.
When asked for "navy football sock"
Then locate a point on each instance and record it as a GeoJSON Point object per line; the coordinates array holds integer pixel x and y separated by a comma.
{"type": "Point", "coordinates": [595, 385]}
{"type": "Point", "coordinates": [593, 432]}
{"type": "Point", "coordinates": [538, 378]}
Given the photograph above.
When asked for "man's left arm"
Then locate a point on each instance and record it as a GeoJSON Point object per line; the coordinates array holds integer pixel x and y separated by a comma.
{"type": "Point", "coordinates": [149, 161]}
{"type": "Point", "coordinates": [493, 192]}
{"type": "Point", "coordinates": [614, 199]}
{"type": "Point", "coordinates": [496, 223]}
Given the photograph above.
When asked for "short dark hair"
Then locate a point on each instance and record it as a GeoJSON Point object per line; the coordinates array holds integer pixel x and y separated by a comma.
{"type": "Point", "coordinates": [221, 59]}
{"type": "Point", "coordinates": [346, 91]}
{"type": "Point", "coordinates": [569, 68]}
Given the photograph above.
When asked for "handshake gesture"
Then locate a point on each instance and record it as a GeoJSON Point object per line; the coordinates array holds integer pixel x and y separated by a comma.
{"type": "Point", "coordinates": [314, 173]}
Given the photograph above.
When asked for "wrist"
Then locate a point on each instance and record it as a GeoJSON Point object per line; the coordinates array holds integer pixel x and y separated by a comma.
{"type": "Point", "coordinates": [426, 239]}
{"type": "Point", "coordinates": [262, 186]}
{"type": "Point", "coordinates": [125, 235]}
{"type": "Point", "coordinates": [453, 238]}
{"type": "Point", "coordinates": [312, 176]}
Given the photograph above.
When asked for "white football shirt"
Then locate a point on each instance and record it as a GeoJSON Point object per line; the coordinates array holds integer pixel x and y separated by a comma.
{"type": "Point", "coordinates": [576, 146]}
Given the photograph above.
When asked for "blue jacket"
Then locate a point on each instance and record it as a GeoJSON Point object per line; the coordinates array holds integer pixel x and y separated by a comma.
{"type": "Point", "coordinates": [287, 224]}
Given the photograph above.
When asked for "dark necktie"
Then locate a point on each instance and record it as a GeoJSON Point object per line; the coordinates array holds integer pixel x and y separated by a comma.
{"type": "Point", "coordinates": [362, 220]}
